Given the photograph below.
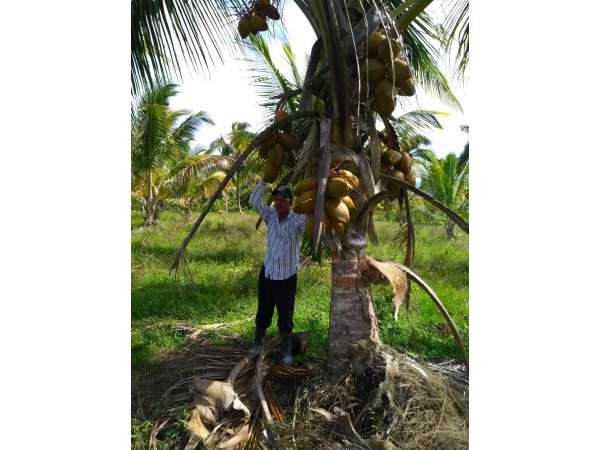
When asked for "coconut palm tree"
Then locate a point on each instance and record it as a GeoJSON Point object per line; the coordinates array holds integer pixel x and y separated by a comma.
{"type": "Point", "coordinates": [232, 146]}
{"type": "Point", "coordinates": [160, 149]}
{"type": "Point", "coordinates": [447, 181]}
{"type": "Point", "coordinates": [193, 191]}
{"type": "Point", "coordinates": [336, 120]}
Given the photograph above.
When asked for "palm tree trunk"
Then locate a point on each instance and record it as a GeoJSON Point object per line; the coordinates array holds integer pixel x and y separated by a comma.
{"type": "Point", "coordinates": [449, 226]}
{"type": "Point", "coordinates": [237, 189]}
{"type": "Point", "coordinates": [352, 316]}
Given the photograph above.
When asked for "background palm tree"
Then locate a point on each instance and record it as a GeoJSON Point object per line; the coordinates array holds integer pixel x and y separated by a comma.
{"type": "Point", "coordinates": [231, 147]}
{"type": "Point", "coordinates": [193, 191]}
{"type": "Point", "coordinates": [447, 181]}
{"type": "Point", "coordinates": [160, 150]}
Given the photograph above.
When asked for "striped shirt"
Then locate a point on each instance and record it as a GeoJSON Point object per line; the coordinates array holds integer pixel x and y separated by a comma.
{"type": "Point", "coordinates": [283, 237]}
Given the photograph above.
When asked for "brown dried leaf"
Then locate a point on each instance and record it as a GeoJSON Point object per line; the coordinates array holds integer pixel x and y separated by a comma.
{"type": "Point", "coordinates": [396, 277]}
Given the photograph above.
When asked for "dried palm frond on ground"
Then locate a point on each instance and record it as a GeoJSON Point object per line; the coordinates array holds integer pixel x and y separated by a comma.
{"type": "Point", "coordinates": [389, 401]}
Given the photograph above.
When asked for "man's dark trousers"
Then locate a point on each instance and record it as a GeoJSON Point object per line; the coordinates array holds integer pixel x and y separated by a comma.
{"type": "Point", "coordinates": [276, 293]}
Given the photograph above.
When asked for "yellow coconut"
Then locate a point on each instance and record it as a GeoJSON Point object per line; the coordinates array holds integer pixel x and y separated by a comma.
{"type": "Point", "coordinates": [375, 70]}
{"type": "Point", "coordinates": [373, 42]}
{"type": "Point", "coordinates": [336, 210]}
{"type": "Point", "coordinates": [244, 27]}
{"type": "Point", "coordinates": [289, 140]}
{"type": "Point", "coordinates": [305, 203]}
{"type": "Point", "coordinates": [349, 177]}
{"type": "Point", "coordinates": [410, 178]}
{"type": "Point", "coordinates": [270, 172]}
{"type": "Point", "coordinates": [406, 87]}
{"type": "Point", "coordinates": [304, 185]}
{"type": "Point", "coordinates": [337, 188]}
{"type": "Point", "coordinates": [349, 203]}
{"type": "Point", "coordinates": [272, 12]}
{"type": "Point", "coordinates": [339, 228]}
{"type": "Point", "coordinates": [277, 154]}
{"type": "Point", "coordinates": [405, 162]}
{"type": "Point", "coordinates": [398, 71]}
{"type": "Point", "coordinates": [388, 50]}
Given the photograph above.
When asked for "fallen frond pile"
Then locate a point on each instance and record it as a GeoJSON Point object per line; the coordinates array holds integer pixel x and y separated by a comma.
{"type": "Point", "coordinates": [389, 401]}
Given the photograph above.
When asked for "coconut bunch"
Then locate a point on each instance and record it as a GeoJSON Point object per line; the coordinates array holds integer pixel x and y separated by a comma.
{"type": "Point", "coordinates": [255, 20]}
{"type": "Point", "coordinates": [338, 203]}
{"type": "Point", "coordinates": [397, 165]}
{"type": "Point", "coordinates": [278, 149]}
{"type": "Point", "coordinates": [387, 73]}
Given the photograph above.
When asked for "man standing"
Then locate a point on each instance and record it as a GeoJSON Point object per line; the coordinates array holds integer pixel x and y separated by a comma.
{"type": "Point", "coordinates": [277, 279]}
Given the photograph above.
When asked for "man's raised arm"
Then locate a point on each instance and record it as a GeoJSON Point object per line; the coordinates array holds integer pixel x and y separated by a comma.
{"type": "Point", "coordinates": [256, 201]}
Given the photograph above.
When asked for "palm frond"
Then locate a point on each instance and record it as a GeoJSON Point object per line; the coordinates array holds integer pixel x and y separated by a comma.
{"type": "Point", "coordinates": [198, 166]}
{"type": "Point", "coordinates": [166, 33]}
{"type": "Point", "coordinates": [423, 57]}
{"type": "Point", "coordinates": [411, 124]}
{"type": "Point", "coordinates": [456, 26]}
{"type": "Point", "coordinates": [266, 77]}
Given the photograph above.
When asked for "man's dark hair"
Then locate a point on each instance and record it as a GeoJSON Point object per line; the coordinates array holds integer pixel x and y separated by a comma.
{"type": "Point", "coordinates": [284, 191]}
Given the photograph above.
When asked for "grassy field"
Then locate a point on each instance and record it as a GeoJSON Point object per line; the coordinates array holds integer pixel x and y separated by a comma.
{"type": "Point", "coordinates": [225, 257]}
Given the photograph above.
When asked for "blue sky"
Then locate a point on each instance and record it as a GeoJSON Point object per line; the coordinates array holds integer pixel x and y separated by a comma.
{"type": "Point", "coordinates": [228, 96]}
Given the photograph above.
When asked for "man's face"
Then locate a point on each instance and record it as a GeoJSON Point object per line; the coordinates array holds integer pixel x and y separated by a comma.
{"type": "Point", "coordinates": [282, 204]}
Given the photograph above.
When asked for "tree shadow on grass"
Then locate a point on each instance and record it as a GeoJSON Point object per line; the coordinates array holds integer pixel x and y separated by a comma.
{"type": "Point", "coordinates": [220, 252]}
{"type": "Point", "coordinates": [204, 300]}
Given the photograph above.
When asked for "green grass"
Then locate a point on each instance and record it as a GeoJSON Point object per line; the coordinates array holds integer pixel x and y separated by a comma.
{"type": "Point", "coordinates": [224, 259]}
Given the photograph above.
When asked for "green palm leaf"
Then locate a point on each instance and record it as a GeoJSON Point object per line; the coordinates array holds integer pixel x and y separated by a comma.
{"type": "Point", "coordinates": [165, 33]}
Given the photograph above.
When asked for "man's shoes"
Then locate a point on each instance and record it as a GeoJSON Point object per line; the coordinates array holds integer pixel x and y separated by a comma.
{"type": "Point", "coordinates": [285, 349]}
{"type": "Point", "coordinates": [259, 339]}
